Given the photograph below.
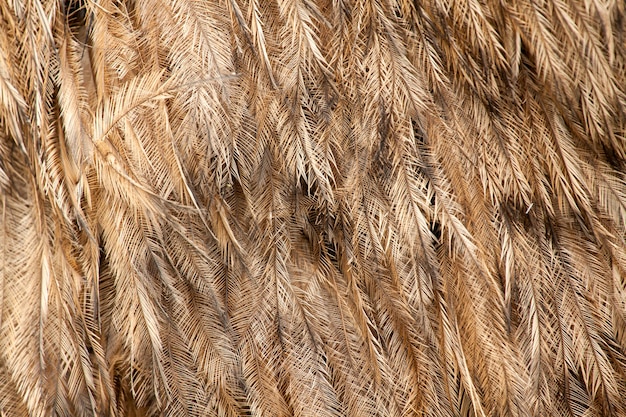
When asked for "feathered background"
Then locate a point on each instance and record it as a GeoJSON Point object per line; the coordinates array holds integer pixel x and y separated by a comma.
{"type": "Point", "coordinates": [312, 208]}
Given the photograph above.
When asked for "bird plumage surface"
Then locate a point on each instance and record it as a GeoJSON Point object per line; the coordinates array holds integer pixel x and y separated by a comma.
{"type": "Point", "coordinates": [312, 208]}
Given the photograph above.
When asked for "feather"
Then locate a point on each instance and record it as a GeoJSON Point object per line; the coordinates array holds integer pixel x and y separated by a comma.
{"type": "Point", "coordinates": [312, 207]}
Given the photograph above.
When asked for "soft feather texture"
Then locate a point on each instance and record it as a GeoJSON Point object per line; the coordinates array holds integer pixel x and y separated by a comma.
{"type": "Point", "coordinates": [312, 208]}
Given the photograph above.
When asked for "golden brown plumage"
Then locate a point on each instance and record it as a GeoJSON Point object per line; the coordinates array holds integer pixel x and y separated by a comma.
{"type": "Point", "coordinates": [312, 208]}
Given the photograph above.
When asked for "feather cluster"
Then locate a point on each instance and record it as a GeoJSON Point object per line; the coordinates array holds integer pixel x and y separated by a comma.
{"type": "Point", "coordinates": [312, 208]}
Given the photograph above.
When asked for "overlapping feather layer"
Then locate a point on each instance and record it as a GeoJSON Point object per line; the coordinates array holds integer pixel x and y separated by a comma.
{"type": "Point", "coordinates": [312, 208]}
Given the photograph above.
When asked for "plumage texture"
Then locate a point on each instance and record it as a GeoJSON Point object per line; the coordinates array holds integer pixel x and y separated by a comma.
{"type": "Point", "coordinates": [312, 208]}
